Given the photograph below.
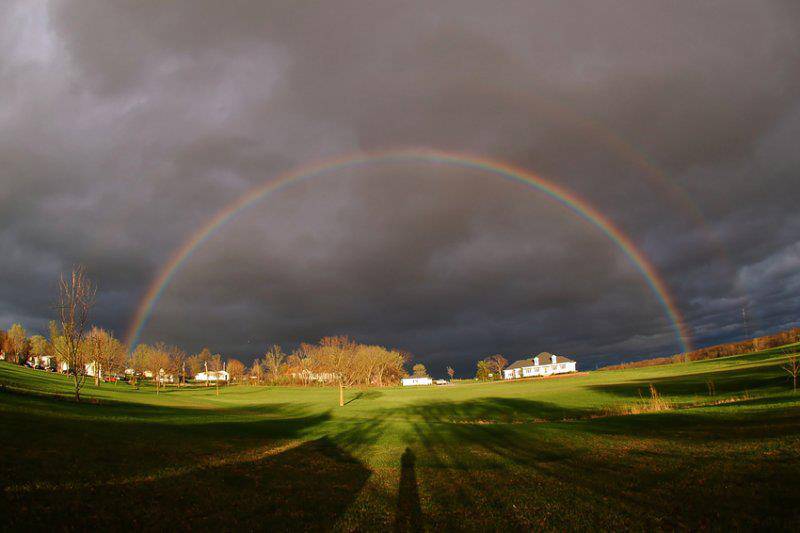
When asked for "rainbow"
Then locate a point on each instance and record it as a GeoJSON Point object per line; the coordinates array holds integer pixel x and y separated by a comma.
{"type": "Point", "coordinates": [555, 192]}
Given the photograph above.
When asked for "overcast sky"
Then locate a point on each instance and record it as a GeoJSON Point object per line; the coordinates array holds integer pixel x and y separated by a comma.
{"type": "Point", "coordinates": [125, 126]}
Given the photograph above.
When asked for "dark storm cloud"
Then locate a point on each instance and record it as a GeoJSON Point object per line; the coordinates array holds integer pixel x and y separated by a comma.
{"type": "Point", "coordinates": [124, 126]}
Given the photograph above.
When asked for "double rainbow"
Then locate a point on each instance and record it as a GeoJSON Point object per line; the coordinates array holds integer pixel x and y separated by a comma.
{"type": "Point", "coordinates": [555, 192]}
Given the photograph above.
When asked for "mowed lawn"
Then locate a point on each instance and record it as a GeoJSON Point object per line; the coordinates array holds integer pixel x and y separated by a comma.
{"type": "Point", "coordinates": [558, 453]}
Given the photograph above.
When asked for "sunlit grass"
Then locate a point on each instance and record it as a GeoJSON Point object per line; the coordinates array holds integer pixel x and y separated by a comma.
{"type": "Point", "coordinates": [639, 448]}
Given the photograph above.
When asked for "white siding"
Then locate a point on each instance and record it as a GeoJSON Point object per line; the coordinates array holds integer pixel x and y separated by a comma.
{"type": "Point", "coordinates": [408, 382]}
{"type": "Point", "coordinates": [539, 370]}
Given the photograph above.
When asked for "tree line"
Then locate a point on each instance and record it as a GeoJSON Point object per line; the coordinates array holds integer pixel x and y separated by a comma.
{"type": "Point", "coordinates": [82, 351]}
{"type": "Point", "coordinates": [781, 338]}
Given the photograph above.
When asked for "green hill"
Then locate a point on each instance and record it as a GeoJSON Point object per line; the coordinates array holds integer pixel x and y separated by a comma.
{"type": "Point", "coordinates": [710, 444]}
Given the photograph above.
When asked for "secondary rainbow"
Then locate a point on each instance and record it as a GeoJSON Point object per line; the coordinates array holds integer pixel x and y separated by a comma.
{"type": "Point", "coordinates": [555, 192]}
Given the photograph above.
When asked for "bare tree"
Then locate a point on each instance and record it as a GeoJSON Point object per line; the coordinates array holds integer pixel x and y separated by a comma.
{"type": "Point", "coordinates": [104, 352]}
{"type": "Point", "coordinates": [15, 345]}
{"type": "Point", "coordinates": [177, 358]}
{"type": "Point", "coordinates": [138, 363]}
{"type": "Point", "coordinates": [217, 366]}
{"type": "Point", "coordinates": [235, 369]}
{"type": "Point", "coordinates": [274, 361]}
{"type": "Point", "coordinates": [198, 363]}
{"type": "Point", "coordinates": [792, 366]}
{"type": "Point", "coordinates": [40, 348]}
{"type": "Point", "coordinates": [160, 363]}
{"type": "Point", "coordinates": [337, 356]}
{"type": "Point", "coordinates": [300, 363]}
{"type": "Point", "coordinates": [75, 300]}
{"type": "Point", "coordinates": [451, 372]}
{"type": "Point", "coordinates": [497, 363]}
{"type": "Point", "coordinates": [256, 372]}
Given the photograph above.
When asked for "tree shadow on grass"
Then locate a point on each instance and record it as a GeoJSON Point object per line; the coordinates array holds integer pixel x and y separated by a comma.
{"type": "Point", "coordinates": [305, 487]}
{"type": "Point", "coordinates": [611, 473]}
{"type": "Point", "coordinates": [493, 411]}
{"type": "Point", "coordinates": [82, 444]}
{"type": "Point", "coordinates": [365, 395]}
{"type": "Point", "coordinates": [727, 381]}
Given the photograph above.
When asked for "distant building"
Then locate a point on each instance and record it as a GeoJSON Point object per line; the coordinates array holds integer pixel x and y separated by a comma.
{"type": "Point", "coordinates": [221, 375]}
{"type": "Point", "coordinates": [322, 377]}
{"type": "Point", "coordinates": [409, 382]}
{"type": "Point", "coordinates": [47, 362]}
{"type": "Point", "coordinates": [93, 368]}
{"type": "Point", "coordinates": [544, 364]}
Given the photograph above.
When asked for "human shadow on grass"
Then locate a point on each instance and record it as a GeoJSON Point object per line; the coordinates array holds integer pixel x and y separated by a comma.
{"type": "Point", "coordinates": [408, 516]}
{"type": "Point", "coordinates": [306, 487]}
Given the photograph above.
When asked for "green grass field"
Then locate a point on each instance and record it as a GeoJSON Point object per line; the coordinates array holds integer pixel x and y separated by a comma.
{"type": "Point", "coordinates": [557, 453]}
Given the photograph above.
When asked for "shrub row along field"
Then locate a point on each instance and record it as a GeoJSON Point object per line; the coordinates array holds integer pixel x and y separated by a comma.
{"type": "Point", "coordinates": [706, 444]}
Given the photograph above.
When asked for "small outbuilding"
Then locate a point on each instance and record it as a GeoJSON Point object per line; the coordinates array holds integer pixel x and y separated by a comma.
{"type": "Point", "coordinates": [221, 375]}
{"type": "Point", "coordinates": [410, 382]}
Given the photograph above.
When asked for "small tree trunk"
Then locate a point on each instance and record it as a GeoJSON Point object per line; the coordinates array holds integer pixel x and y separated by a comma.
{"type": "Point", "coordinates": [341, 394]}
{"type": "Point", "coordinates": [77, 387]}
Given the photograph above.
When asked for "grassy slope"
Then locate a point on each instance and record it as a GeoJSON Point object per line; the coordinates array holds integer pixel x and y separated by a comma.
{"type": "Point", "coordinates": [526, 454]}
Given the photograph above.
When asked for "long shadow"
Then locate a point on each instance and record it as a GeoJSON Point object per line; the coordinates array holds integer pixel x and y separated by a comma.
{"type": "Point", "coordinates": [729, 380]}
{"type": "Point", "coordinates": [119, 411]}
{"type": "Point", "coordinates": [111, 443]}
{"type": "Point", "coordinates": [409, 513]}
{"type": "Point", "coordinates": [493, 411]}
{"type": "Point", "coordinates": [364, 395]}
{"type": "Point", "coordinates": [661, 471]}
{"type": "Point", "coordinates": [306, 487]}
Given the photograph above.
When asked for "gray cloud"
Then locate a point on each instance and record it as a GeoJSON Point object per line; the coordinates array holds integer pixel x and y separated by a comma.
{"type": "Point", "coordinates": [124, 126]}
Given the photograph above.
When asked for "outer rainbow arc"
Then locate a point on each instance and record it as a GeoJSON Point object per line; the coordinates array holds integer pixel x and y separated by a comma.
{"type": "Point", "coordinates": [561, 195]}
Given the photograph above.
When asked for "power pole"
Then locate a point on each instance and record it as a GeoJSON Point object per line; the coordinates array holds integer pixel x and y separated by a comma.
{"type": "Point", "coordinates": [744, 322]}
{"type": "Point", "coordinates": [747, 329]}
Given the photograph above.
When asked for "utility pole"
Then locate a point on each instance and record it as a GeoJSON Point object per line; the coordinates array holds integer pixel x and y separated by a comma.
{"type": "Point", "coordinates": [747, 329]}
{"type": "Point", "coordinates": [744, 321]}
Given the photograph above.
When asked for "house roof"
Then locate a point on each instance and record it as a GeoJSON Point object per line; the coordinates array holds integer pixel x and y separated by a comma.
{"type": "Point", "coordinates": [544, 359]}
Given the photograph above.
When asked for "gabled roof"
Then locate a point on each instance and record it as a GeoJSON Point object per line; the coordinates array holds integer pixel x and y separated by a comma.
{"type": "Point", "coordinates": [544, 359]}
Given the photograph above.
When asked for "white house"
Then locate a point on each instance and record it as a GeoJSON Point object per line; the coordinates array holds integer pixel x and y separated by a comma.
{"type": "Point", "coordinates": [45, 361]}
{"type": "Point", "coordinates": [544, 364]}
{"type": "Point", "coordinates": [322, 377]}
{"type": "Point", "coordinates": [222, 375]}
{"type": "Point", "coordinates": [92, 368]}
{"type": "Point", "coordinates": [408, 382]}
{"type": "Point", "coordinates": [165, 377]}
{"type": "Point", "coordinates": [48, 361]}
